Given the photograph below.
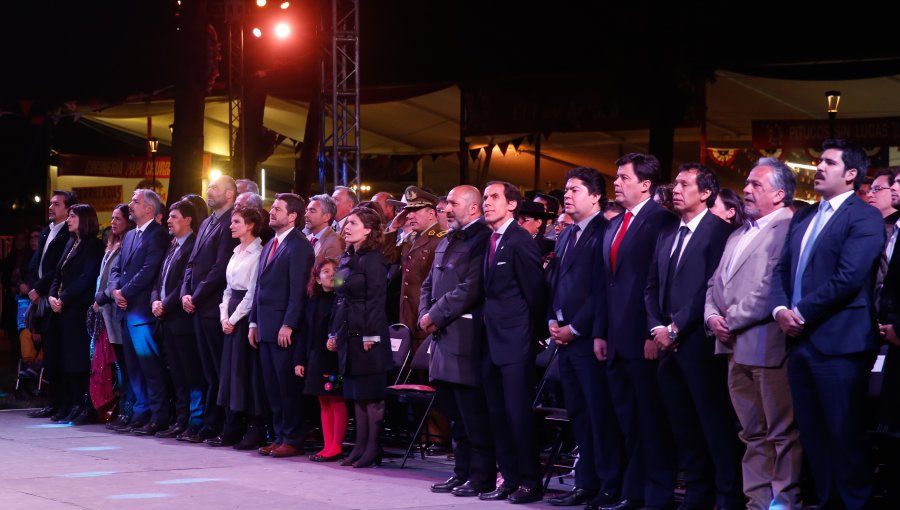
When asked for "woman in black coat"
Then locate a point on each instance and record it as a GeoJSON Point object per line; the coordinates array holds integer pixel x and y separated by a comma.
{"type": "Point", "coordinates": [359, 330]}
{"type": "Point", "coordinates": [318, 365]}
{"type": "Point", "coordinates": [71, 294]}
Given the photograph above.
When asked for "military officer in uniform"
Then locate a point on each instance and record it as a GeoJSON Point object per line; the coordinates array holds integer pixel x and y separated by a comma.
{"type": "Point", "coordinates": [416, 256]}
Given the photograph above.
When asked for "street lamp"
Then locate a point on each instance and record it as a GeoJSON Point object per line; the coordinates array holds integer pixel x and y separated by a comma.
{"type": "Point", "coordinates": [153, 144]}
{"type": "Point", "coordinates": [834, 100]}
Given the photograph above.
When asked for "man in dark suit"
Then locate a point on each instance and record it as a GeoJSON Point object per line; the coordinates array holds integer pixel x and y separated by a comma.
{"type": "Point", "coordinates": [822, 297]}
{"type": "Point", "coordinates": [450, 309]}
{"type": "Point", "coordinates": [514, 294]}
{"type": "Point", "coordinates": [692, 379]}
{"type": "Point", "coordinates": [41, 271]}
{"type": "Point", "coordinates": [889, 325]}
{"type": "Point", "coordinates": [176, 325]}
{"type": "Point", "coordinates": [577, 316]}
{"type": "Point", "coordinates": [201, 293]}
{"type": "Point", "coordinates": [130, 283]}
{"type": "Point", "coordinates": [628, 248]}
{"type": "Point", "coordinates": [277, 311]}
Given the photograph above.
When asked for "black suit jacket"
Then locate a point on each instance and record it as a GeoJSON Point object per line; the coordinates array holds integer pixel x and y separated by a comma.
{"type": "Point", "coordinates": [699, 260]}
{"type": "Point", "coordinates": [174, 315]}
{"type": "Point", "coordinates": [136, 269]}
{"type": "Point", "coordinates": [74, 281]}
{"type": "Point", "coordinates": [54, 252]}
{"type": "Point", "coordinates": [889, 307]}
{"type": "Point", "coordinates": [514, 296]}
{"type": "Point", "coordinates": [577, 283]}
{"type": "Point", "coordinates": [280, 297]}
{"type": "Point", "coordinates": [204, 276]}
{"type": "Point", "coordinates": [626, 311]}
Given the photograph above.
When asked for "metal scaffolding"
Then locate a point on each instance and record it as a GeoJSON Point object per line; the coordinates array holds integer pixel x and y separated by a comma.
{"type": "Point", "coordinates": [339, 149]}
{"type": "Point", "coordinates": [234, 14]}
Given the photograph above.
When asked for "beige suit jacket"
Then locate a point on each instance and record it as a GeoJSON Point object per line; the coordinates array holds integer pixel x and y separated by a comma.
{"type": "Point", "coordinates": [331, 246]}
{"type": "Point", "coordinates": [743, 296]}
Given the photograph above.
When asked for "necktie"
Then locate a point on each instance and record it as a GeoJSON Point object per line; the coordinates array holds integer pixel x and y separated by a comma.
{"type": "Point", "coordinates": [495, 237]}
{"type": "Point", "coordinates": [272, 253]}
{"type": "Point", "coordinates": [570, 243]}
{"type": "Point", "coordinates": [167, 265]}
{"type": "Point", "coordinates": [618, 240]}
{"type": "Point", "coordinates": [816, 229]}
{"type": "Point", "coordinates": [673, 265]}
{"type": "Point", "coordinates": [313, 241]}
{"type": "Point", "coordinates": [884, 264]}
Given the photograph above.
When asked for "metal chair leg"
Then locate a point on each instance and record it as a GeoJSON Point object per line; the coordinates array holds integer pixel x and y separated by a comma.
{"type": "Point", "coordinates": [418, 431]}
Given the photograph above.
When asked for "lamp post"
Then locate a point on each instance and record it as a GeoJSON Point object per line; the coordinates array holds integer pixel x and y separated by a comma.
{"type": "Point", "coordinates": [834, 100]}
{"type": "Point", "coordinates": [153, 144]}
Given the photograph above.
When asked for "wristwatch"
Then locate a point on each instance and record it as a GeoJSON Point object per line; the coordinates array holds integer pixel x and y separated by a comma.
{"type": "Point", "coordinates": [673, 335]}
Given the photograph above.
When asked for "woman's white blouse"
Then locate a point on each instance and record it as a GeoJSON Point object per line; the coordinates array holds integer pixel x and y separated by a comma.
{"type": "Point", "coordinates": [241, 275]}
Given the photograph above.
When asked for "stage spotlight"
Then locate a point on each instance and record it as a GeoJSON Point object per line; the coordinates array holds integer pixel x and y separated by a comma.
{"type": "Point", "coordinates": [261, 3]}
{"type": "Point", "coordinates": [256, 32]}
{"type": "Point", "coordinates": [282, 30]}
{"type": "Point", "coordinates": [285, 5]}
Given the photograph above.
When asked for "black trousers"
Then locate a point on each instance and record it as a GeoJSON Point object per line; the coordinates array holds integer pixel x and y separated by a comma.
{"type": "Point", "coordinates": [285, 392]}
{"type": "Point", "coordinates": [210, 339]}
{"type": "Point", "coordinates": [509, 390]}
{"type": "Point", "coordinates": [594, 424]}
{"type": "Point", "coordinates": [187, 375]}
{"type": "Point", "coordinates": [649, 450]}
{"type": "Point", "coordinates": [473, 445]}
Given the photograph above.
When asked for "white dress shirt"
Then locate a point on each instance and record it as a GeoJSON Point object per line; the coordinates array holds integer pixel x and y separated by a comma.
{"type": "Point", "coordinates": [54, 231]}
{"type": "Point", "coordinates": [241, 275]}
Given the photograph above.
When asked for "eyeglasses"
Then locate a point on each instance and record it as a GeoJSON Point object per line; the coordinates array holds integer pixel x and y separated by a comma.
{"type": "Point", "coordinates": [876, 189]}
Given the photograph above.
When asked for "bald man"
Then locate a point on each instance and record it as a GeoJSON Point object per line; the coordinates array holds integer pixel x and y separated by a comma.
{"type": "Point", "coordinates": [450, 311]}
{"type": "Point", "coordinates": [204, 283]}
{"type": "Point", "coordinates": [382, 198]}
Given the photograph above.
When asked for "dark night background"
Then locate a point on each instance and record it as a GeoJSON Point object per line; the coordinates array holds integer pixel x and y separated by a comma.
{"type": "Point", "coordinates": [103, 52]}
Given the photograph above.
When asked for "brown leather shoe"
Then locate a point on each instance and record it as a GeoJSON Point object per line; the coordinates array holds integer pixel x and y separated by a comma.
{"type": "Point", "coordinates": [285, 450]}
{"type": "Point", "coordinates": [267, 450]}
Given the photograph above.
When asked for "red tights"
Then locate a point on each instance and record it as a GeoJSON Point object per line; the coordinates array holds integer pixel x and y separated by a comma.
{"type": "Point", "coordinates": [334, 424]}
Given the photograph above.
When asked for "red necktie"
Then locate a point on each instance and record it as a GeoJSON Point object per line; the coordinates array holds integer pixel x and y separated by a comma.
{"type": "Point", "coordinates": [494, 238]}
{"type": "Point", "coordinates": [272, 253]}
{"type": "Point", "coordinates": [618, 240]}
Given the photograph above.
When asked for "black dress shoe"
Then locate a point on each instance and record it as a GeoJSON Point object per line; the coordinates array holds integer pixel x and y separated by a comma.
{"type": "Point", "coordinates": [526, 494]}
{"type": "Point", "coordinates": [625, 504]}
{"type": "Point", "coordinates": [44, 412]}
{"type": "Point", "coordinates": [187, 434]}
{"type": "Point", "coordinates": [174, 431]}
{"type": "Point", "coordinates": [324, 458]}
{"type": "Point", "coordinates": [497, 494]}
{"type": "Point", "coordinates": [60, 414]}
{"type": "Point", "coordinates": [149, 429]}
{"type": "Point", "coordinates": [603, 498]}
{"type": "Point", "coordinates": [87, 416]}
{"type": "Point", "coordinates": [469, 490]}
{"type": "Point", "coordinates": [122, 419]}
{"type": "Point", "coordinates": [448, 485]}
{"type": "Point", "coordinates": [574, 497]}
{"type": "Point", "coordinates": [202, 435]}
{"type": "Point", "coordinates": [253, 439]}
{"type": "Point", "coordinates": [220, 441]}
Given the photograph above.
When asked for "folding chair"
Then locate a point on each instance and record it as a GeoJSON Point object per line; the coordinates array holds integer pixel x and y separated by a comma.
{"type": "Point", "coordinates": [413, 394]}
{"type": "Point", "coordinates": [557, 418]}
{"type": "Point", "coordinates": [401, 345]}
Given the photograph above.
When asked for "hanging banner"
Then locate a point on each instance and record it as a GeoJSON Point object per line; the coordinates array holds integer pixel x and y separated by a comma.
{"type": "Point", "coordinates": [800, 134]}
{"type": "Point", "coordinates": [115, 166]}
{"type": "Point", "coordinates": [102, 198]}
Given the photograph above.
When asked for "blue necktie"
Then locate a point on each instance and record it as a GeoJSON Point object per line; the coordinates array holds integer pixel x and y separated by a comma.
{"type": "Point", "coordinates": [818, 224]}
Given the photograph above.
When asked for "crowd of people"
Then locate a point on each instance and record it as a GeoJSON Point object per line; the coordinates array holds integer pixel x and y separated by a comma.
{"type": "Point", "coordinates": [684, 320]}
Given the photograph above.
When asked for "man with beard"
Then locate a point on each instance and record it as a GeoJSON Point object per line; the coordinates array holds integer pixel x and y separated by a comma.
{"type": "Point", "coordinates": [204, 283]}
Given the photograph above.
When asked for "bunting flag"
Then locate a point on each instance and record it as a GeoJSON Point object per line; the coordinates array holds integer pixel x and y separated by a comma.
{"type": "Point", "coordinates": [503, 147]}
{"type": "Point", "coordinates": [473, 153]}
{"type": "Point", "coordinates": [25, 105]}
{"type": "Point", "coordinates": [516, 142]}
{"type": "Point", "coordinates": [722, 157]}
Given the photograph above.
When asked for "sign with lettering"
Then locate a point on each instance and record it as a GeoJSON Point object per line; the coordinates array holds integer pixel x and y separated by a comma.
{"type": "Point", "coordinates": [799, 134]}
{"type": "Point", "coordinates": [114, 166]}
{"type": "Point", "coordinates": [102, 198]}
